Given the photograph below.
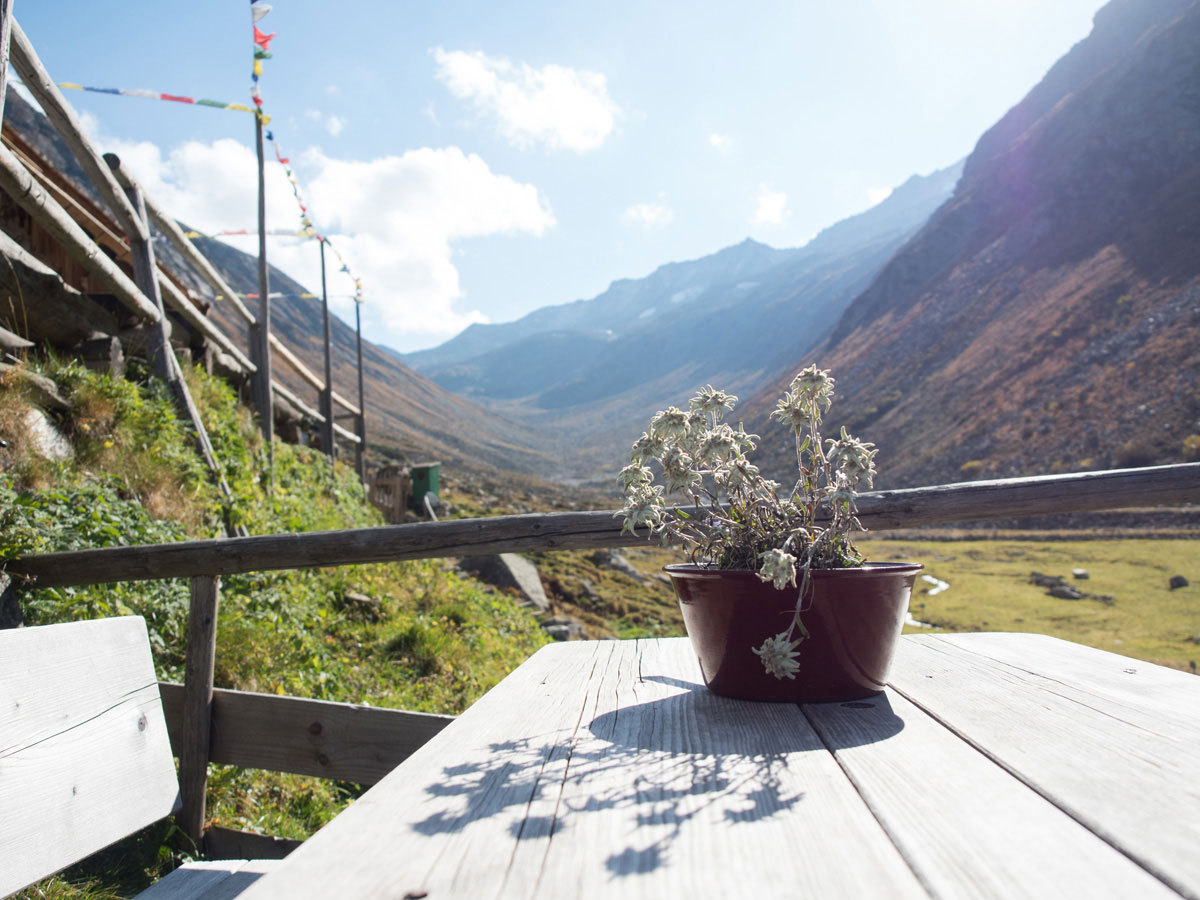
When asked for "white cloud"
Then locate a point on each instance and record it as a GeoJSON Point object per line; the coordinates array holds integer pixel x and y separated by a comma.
{"type": "Point", "coordinates": [648, 215]}
{"type": "Point", "coordinates": [560, 107]}
{"type": "Point", "coordinates": [876, 195]}
{"type": "Point", "coordinates": [396, 220]}
{"type": "Point", "coordinates": [771, 208]}
{"type": "Point", "coordinates": [334, 125]}
{"type": "Point", "coordinates": [722, 143]}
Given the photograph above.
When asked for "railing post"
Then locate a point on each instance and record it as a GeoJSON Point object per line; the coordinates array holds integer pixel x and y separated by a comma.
{"type": "Point", "coordinates": [197, 703]}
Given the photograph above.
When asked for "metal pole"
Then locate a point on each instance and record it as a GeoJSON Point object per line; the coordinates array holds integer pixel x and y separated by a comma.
{"type": "Point", "coordinates": [327, 394]}
{"type": "Point", "coordinates": [263, 327]}
{"type": "Point", "coordinates": [362, 409]}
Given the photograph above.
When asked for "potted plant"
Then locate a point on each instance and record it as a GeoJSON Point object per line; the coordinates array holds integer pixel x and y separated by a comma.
{"type": "Point", "coordinates": [777, 601]}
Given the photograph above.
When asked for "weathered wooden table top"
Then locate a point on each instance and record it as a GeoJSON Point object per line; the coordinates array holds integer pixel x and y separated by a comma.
{"type": "Point", "coordinates": [997, 765]}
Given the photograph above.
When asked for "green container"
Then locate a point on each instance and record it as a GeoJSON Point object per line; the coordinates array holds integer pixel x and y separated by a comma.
{"type": "Point", "coordinates": [424, 479]}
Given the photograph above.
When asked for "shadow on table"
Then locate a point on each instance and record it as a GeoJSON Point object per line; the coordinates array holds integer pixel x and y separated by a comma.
{"type": "Point", "coordinates": [692, 757]}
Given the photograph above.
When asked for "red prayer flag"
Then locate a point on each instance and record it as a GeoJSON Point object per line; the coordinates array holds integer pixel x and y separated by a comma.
{"type": "Point", "coordinates": [262, 40]}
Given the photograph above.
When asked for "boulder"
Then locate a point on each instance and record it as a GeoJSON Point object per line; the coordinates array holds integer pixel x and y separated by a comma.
{"type": "Point", "coordinates": [1080, 574]}
{"type": "Point", "coordinates": [1065, 592]}
{"type": "Point", "coordinates": [1177, 581]}
{"type": "Point", "coordinates": [508, 570]}
{"type": "Point", "coordinates": [1046, 581]}
{"type": "Point", "coordinates": [44, 437]}
{"type": "Point", "coordinates": [565, 628]}
{"type": "Point", "coordinates": [614, 560]}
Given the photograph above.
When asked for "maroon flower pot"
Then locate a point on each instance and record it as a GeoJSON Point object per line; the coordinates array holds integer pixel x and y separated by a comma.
{"type": "Point", "coordinates": [853, 616]}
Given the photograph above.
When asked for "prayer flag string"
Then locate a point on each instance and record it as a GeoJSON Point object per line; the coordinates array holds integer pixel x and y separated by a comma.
{"type": "Point", "coordinates": [151, 95]}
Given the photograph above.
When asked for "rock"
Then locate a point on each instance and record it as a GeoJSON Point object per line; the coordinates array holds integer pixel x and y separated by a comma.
{"type": "Point", "coordinates": [589, 589]}
{"type": "Point", "coordinates": [42, 391]}
{"type": "Point", "coordinates": [1194, 639]}
{"type": "Point", "coordinates": [361, 607]}
{"type": "Point", "coordinates": [509, 571]}
{"type": "Point", "coordinates": [1046, 581]}
{"type": "Point", "coordinates": [565, 628]}
{"type": "Point", "coordinates": [10, 609]}
{"type": "Point", "coordinates": [44, 437]}
{"type": "Point", "coordinates": [1177, 581]}
{"type": "Point", "coordinates": [614, 560]}
{"type": "Point", "coordinates": [1080, 574]}
{"type": "Point", "coordinates": [1065, 592]}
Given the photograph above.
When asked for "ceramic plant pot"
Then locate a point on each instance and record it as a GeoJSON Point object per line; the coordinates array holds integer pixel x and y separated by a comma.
{"type": "Point", "coordinates": [853, 616]}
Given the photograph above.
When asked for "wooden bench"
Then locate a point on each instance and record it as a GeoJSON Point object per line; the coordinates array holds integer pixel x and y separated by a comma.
{"type": "Point", "coordinates": [85, 758]}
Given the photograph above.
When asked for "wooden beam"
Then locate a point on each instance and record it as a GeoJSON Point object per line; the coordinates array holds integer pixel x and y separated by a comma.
{"type": "Point", "coordinates": [16, 180]}
{"type": "Point", "coordinates": [226, 843]}
{"type": "Point", "coordinates": [309, 375]}
{"type": "Point", "coordinates": [311, 413]}
{"type": "Point", "coordinates": [970, 501]}
{"type": "Point", "coordinates": [194, 317]}
{"type": "Point", "coordinates": [6, 18]}
{"type": "Point", "coordinates": [59, 112]}
{"type": "Point", "coordinates": [168, 226]}
{"type": "Point", "coordinates": [196, 733]}
{"type": "Point", "coordinates": [309, 737]}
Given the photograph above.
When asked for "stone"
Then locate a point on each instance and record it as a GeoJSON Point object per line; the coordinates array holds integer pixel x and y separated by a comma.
{"type": "Point", "coordinates": [614, 560]}
{"type": "Point", "coordinates": [565, 628]}
{"type": "Point", "coordinates": [1065, 592]}
{"type": "Point", "coordinates": [1046, 581]}
{"type": "Point", "coordinates": [508, 570]}
{"type": "Point", "coordinates": [1177, 581]}
{"type": "Point", "coordinates": [1080, 574]}
{"type": "Point", "coordinates": [361, 607]}
{"type": "Point", "coordinates": [44, 437]}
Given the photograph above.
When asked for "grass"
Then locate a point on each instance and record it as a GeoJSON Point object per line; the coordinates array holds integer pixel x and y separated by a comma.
{"type": "Point", "coordinates": [409, 635]}
{"type": "Point", "coordinates": [990, 590]}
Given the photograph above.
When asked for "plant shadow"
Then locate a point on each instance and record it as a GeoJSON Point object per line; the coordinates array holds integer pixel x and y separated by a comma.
{"type": "Point", "coordinates": [688, 760]}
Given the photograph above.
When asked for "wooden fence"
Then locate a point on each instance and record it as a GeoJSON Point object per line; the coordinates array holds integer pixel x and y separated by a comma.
{"type": "Point", "coordinates": [337, 740]}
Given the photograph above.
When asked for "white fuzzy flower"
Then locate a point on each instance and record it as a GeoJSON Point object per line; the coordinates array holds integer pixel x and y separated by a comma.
{"type": "Point", "coordinates": [718, 444]}
{"type": "Point", "coordinates": [646, 448]}
{"type": "Point", "coordinates": [643, 506]}
{"type": "Point", "coordinates": [711, 401]}
{"type": "Point", "coordinates": [671, 423]}
{"type": "Point", "coordinates": [736, 473]}
{"type": "Point", "coordinates": [779, 656]}
{"type": "Point", "coordinates": [853, 459]}
{"type": "Point", "coordinates": [778, 567]}
{"type": "Point", "coordinates": [633, 475]}
{"type": "Point", "coordinates": [678, 471]}
{"type": "Point", "coordinates": [809, 394]}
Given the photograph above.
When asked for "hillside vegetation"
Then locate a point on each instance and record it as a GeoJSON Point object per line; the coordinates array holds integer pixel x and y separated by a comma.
{"type": "Point", "coordinates": [409, 635]}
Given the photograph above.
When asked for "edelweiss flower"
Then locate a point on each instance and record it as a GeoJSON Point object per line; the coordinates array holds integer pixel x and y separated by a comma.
{"type": "Point", "coordinates": [670, 423]}
{"type": "Point", "coordinates": [778, 567]}
{"type": "Point", "coordinates": [718, 444]}
{"type": "Point", "coordinates": [809, 395]}
{"type": "Point", "coordinates": [646, 448]}
{"type": "Point", "coordinates": [779, 656]}
{"type": "Point", "coordinates": [677, 469]}
{"type": "Point", "coordinates": [643, 506]}
{"type": "Point", "coordinates": [634, 474]}
{"type": "Point", "coordinates": [852, 458]}
{"type": "Point", "coordinates": [735, 473]}
{"type": "Point", "coordinates": [709, 400]}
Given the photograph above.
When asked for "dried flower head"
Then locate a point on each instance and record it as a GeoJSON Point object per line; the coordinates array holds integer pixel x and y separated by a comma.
{"type": "Point", "coordinates": [779, 656]}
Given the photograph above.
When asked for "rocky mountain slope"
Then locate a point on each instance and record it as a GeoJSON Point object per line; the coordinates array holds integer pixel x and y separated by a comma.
{"type": "Point", "coordinates": [407, 414]}
{"type": "Point", "coordinates": [590, 373]}
{"type": "Point", "coordinates": [1047, 317]}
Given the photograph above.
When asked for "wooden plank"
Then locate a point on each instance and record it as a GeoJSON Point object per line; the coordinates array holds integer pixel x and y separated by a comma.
{"type": "Point", "coordinates": [309, 737]}
{"type": "Point", "coordinates": [1133, 779]}
{"type": "Point", "coordinates": [25, 60]}
{"type": "Point", "coordinates": [209, 880]}
{"type": "Point", "coordinates": [513, 534]}
{"type": "Point", "coordinates": [5, 31]}
{"type": "Point", "coordinates": [194, 753]}
{"type": "Point", "coordinates": [84, 753]}
{"type": "Point", "coordinates": [32, 197]}
{"type": "Point", "coordinates": [602, 769]}
{"type": "Point", "coordinates": [966, 826]}
{"type": "Point", "coordinates": [188, 312]}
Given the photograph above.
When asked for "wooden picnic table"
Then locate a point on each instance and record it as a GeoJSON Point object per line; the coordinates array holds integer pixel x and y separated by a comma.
{"type": "Point", "coordinates": [996, 765]}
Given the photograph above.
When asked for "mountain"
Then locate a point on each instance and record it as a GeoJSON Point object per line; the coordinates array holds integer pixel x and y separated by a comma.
{"type": "Point", "coordinates": [405, 413]}
{"type": "Point", "coordinates": [1047, 317]}
{"type": "Point", "coordinates": [593, 371]}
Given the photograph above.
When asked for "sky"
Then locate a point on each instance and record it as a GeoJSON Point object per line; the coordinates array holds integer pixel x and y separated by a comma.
{"type": "Point", "coordinates": [474, 161]}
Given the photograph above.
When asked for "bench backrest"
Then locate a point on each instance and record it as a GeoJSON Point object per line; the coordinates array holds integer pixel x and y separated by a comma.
{"type": "Point", "coordinates": [84, 755]}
